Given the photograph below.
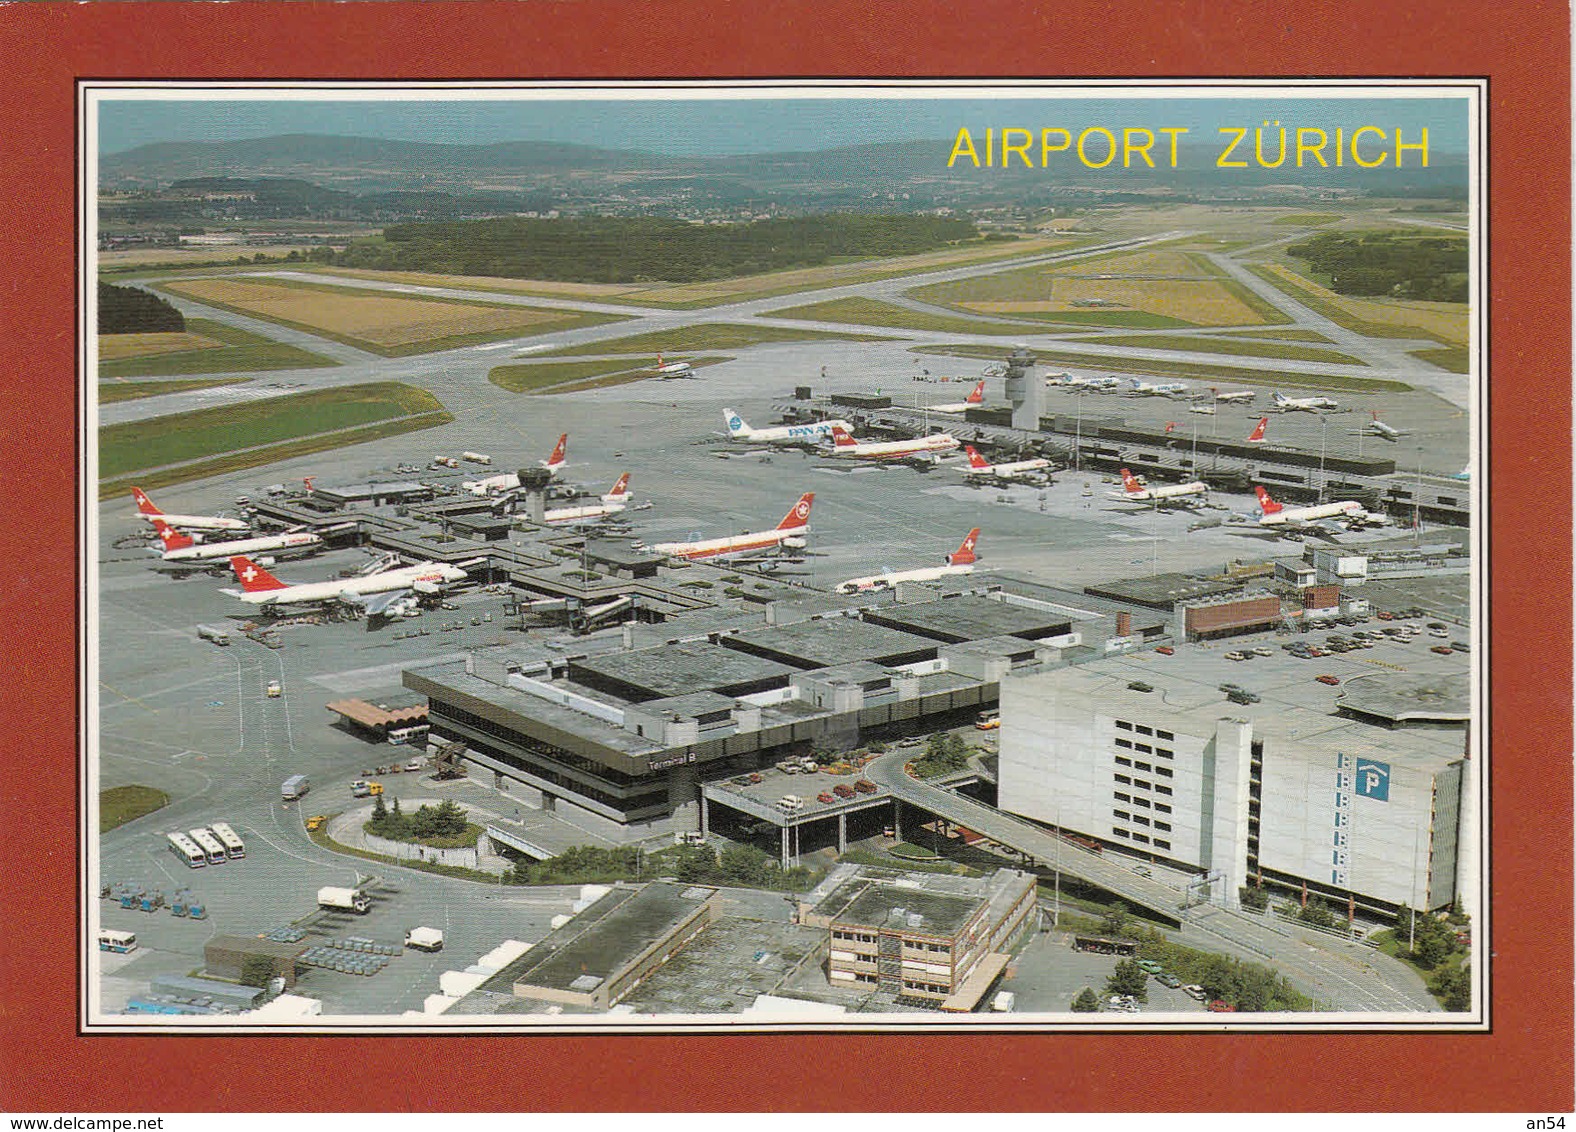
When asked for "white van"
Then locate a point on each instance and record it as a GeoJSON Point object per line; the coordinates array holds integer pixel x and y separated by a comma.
{"type": "Point", "coordinates": [790, 803]}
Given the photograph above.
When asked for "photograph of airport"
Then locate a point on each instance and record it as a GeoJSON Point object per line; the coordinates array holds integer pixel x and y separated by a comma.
{"type": "Point", "coordinates": [844, 556]}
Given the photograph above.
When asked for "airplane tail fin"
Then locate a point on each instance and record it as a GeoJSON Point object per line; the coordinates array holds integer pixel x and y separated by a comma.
{"type": "Point", "coordinates": [1258, 431]}
{"type": "Point", "coordinates": [172, 538]}
{"type": "Point", "coordinates": [308, 481]}
{"type": "Point", "coordinates": [964, 555]}
{"type": "Point", "coordinates": [1266, 504]}
{"type": "Point", "coordinates": [1129, 484]}
{"type": "Point", "coordinates": [559, 449]}
{"type": "Point", "coordinates": [1277, 398]}
{"type": "Point", "coordinates": [978, 396]}
{"type": "Point", "coordinates": [799, 515]}
{"type": "Point", "coordinates": [842, 438]}
{"type": "Point", "coordinates": [621, 487]}
{"type": "Point", "coordinates": [735, 423]}
{"type": "Point", "coordinates": [975, 459]}
{"type": "Point", "coordinates": [253, 578]}
{"type": "Point", "coordinates": [144, 504]}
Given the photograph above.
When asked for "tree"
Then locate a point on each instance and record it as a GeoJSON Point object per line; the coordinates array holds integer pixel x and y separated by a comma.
{"type": "Point", "coordinates": [1253, 899]}
{"type": "Point", "coordinates": [1115, 922]}
{"type": "Point", "coordinates": [256, 970]}
{"type": "Point", "coordinates": [1087, 1002]}
{"type": "Point", "coordinates": [380, 811]}
{"type": "Point", "coordinates": [1127, 977]}
{"type": "Point", "coordinates": [747, 865]}
{"type": "Point", "coordinates": [1317, 913]}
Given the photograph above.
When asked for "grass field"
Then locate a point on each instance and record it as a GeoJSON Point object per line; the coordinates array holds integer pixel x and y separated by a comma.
{"type": "Point", "coordinates": [379, 322]}
{"type": "Point", "coordinates": [1456, 359]}
{"type": "Point", "coordinates": [121, 804]}
{"type": "Point", "coordinates": [131, 447]}
{"type": "Point", "coordinates": [111, 391]}
{"type": "Point", "coordinates": [1289, 334]}
{"type": "Point", "coordinates": [1445, 323]}
{"type": "Point", "coordinates": [114, 347]}
{"type": "Point", "coordinates": [233, 350]}
{"type": "Point", "coordinates": [1241, 347]}
{"type": "Point", "coordinates": [874, 312]}
{"type": "Point", "coordinates": [1307, 219]}
{"type": "Point", "coordinates": [703, 336]}
{"type": "Point", "coordinates": [1254, 376]}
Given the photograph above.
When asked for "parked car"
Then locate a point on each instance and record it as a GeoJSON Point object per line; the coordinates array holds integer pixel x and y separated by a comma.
{"type": "Point", "coordinates": [1151, 966]}
{"type": "Point", "coordinates": [360, 788]}
{"type": "Point", "coordinates": [1262, 651]}
{"type": "Point", "coordinates": [824, 797]}
{"type": "Point", "coordinates": [755, 779]}
{"type": "Point", "coordinates": [865, 786]}
{"type": "Point", "coordinates": [1165, 650]}
{"type": "Point", "coordinates": [1236, 656]}
{"type": "Point", "coordinates": [1140, 686]}
{"type": "Point", "coordinates": [843, 790]}
{"type": "Point", "coordinates": [911, 741]}
{"type": "Point", "coordinates": [1221, 1006]}
{"type": "Point", "coordinates": [1443, 650]}
{"type": "Point", "coordinates": [1194, 991]}
{"type": "Point", "coordinates": [1327, 679]}
{"type": "Point", "coordinates": [1167, 979]}
{"type": "Point", "coordinates": [1143, 870]}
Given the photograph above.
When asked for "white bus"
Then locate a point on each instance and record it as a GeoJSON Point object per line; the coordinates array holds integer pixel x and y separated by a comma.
{"type": "Point", "coordinates": [229, 839]}
{"type": "Point", "coordinates": [400, 735]}
{"type": "Point", "coordinates": [186, 849]}
{"type": "Point", "coordinates": [209, 844]}
{"type": "Point", "coordinates": [109, 939]}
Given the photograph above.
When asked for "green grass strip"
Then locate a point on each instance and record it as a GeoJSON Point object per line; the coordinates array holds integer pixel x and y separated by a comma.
{"type": "Point", "coordinates": [111, 391]}
{"type": "Point", "coordinates": [242, 352]}
{"type": "Point", "coordinates": [121, 804]}
{"type": "Point", "coordinates": [1307, 219]}
{"type": "Point", "coordinates": [1340, 315]}
{"type": "Point", "coordinates": [1289, 334]}
{"type": "Point", "coordinates": [704, 336]}
{"type": "Point", "coordinates": [1456, 359]}
{"type": "Point", "coordinates": [1242, 348]}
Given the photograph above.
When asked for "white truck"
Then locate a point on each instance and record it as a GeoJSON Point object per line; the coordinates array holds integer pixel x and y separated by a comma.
{"type": "Point", "coordinates": [424, 939]}
{"type": "Point", "coordinates": [294, 787]}
{"type": "Point", "coordinates": [344, 900]}
{"type": "Point", "coordinates": [215, 633]}
{"type": "Point", "coordinates": [476, 457]}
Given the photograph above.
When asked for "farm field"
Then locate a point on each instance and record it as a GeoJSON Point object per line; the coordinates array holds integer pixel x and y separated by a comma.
{"type": "Point", "coordinates": [386, 324]}
{"type": "Point", "coordinates": [179, 437]}
{"type": "Point", "coordinates": [1446, 323]}
{"type": "Point", "coordinates": [546, 288]}
{"type": "Point", "coordinates": [206, 347]}
{"type": "Point", "coordinates": [702, 336]}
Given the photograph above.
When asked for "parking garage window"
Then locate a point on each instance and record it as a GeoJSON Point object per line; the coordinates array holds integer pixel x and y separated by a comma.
{"type": "Point", "coordinates": [1123, 814]}
{"type": "Point", "coordinates": [1163, 790]}
{"type": "Point", "coordinates": [1142, 766]}
{"type": "Point", "coordinates": [1159, 844]}
{"type": "Point", "coordinates": [1162, 808]}
{"type": "Point", "coordinates": [1166, 735]}
{"type": "Point", "coordinates": [1123, 779]}
{"type": "Point", "coordinates": [1163, 753]}
{"type": "Point", "coordinates": [1140, 784]}
{"type": "Point", "coordinates": [1141, 837]}
{"type": "Point", "coordinates": [1163, 826]}
{"type": "Point", "coordinates": [1126, 743]}
{"type": "Point", "coordinates": [1142, 730]}
{"type": "Point", "coordinates": [1120, 761]}
{"type": "Point", "coordinates": [1118, 832]}
{"type": "Point", "coordinates": [1163, 771]}
{"type": "Point", "coordinates": [1120, 797]}
{"type": "Point", "coordinates": [1123, 725]}
{"type": "Point", "coordinates": [1144, 802]}
{"type": "Point", "coordinates": [1140, 819]}
{"type": "Point", "coordinates": [1141, 748]}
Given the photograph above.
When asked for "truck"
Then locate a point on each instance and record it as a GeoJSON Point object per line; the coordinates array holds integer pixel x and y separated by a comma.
{"type": "Point", "coordinates": [1003, 1001]}
{"type": "Point", "coordinates": [344, 900]}
{"type": "Point", "coordinates": [476, 457]}
{"type": "Point", "coordinates": [294, 787]}
{"type": "Point", "coordinates": [424, 939]}
{"type": "Point", "coordinates": [274, 689]}
{"type": "Point", "coordinates": [215, 633]}
{"type": "Point", "coordinates": [790, 803]}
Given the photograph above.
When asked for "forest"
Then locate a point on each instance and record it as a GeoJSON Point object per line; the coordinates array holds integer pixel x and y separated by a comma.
{"type": "Point", "coordinates": [131, 310]}
{"type": "Point", "coordinates": [1384, 263]}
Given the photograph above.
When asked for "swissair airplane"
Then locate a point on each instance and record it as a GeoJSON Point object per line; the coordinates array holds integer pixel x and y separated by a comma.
{"type": "Point", "coordinates": [1243, 395]}
{"type": "Point", "coordinates": [973, 401]}
{"type": "Point", "coordinates": [1347, 512]}
{"type": "Point", "coordinates": [1137, 388]}
{"type": "Point", "coordinates": [1377, 427]}
{"type": "Point", "coordinates": [508, 481]}
{"type": "Point", "coordinates": [1283, 404]}
{"type": "Point", "coordinates": [1169, 495]}
{"type": "Point", "coordinates": [787, 535]}
{"type": "Point", "coordinates": [374, 593]}
{"type": "Point", "coordinates": [182, 548]}
{"type": "Point", "coordinates": [738, 429]}
{"type": "Point", "coordinates": [673, 369]}
{"type": "Point", "coordinates": [149, 512]}
{"type": "Point", "coordinates": [847, 448]}
{"type": "Point", "coordinates": [1018, 471]}
{"type": "Point", "coordinates": [960, 561]}
{"type": "Point", "coordinates": [1257, 435]}
{"type": "Point", "coordinates": [612, 503]}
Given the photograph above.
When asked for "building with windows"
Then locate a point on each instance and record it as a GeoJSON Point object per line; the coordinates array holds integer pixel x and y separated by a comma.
{"type": "Point", "coordinates": [1356, 793]}
{"type": "Point", "coordinates": [938, 941]}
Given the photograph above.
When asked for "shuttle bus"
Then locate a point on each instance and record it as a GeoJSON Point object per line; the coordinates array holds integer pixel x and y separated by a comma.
{"type": "Point", "coordinates": [186, 849]}
{"type": "Point", "coordinates": [401, 735]}
{"type": "Point", "coordinates": [110, 939]}
{"type": "Point", "coordinates": [209, 844]}
{"type": "Point", "coordinates": [229, 839]}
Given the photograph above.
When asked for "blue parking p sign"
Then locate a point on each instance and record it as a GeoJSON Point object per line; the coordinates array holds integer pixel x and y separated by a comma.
{"type": "Point", "coordinates": [1373, 779]}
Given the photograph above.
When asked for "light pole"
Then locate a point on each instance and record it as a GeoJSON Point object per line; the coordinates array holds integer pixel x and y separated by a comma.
{"type": "Point", "coordinates": [1324, 423]}
{"type": "Point", "coordinates": [1078, 434]}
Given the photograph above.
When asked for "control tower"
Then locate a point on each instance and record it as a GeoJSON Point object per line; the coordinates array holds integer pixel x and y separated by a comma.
{"type": "Point", "coordinates": [1024, 390]}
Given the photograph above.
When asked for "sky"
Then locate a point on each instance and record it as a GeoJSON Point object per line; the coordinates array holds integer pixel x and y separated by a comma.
{"type": "Point", "coordinates": [677, 123]}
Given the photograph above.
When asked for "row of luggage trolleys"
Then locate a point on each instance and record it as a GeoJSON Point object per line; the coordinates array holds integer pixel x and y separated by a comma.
{"type": "Point", "coordinates": [352, 956]}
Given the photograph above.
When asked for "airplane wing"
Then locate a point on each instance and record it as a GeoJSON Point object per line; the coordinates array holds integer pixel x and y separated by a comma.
{"type": "Point", "coordinates": [375, 604]}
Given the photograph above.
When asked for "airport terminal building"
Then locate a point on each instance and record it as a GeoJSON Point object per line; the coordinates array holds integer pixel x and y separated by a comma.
{"type": "Point", "coordinates": [1359, 802]}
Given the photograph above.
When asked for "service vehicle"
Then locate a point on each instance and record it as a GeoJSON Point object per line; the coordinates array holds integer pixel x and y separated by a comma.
{"type": "Point", "coordinates": [424, 939]}
{"type": "Point", "coordinates": [790, 803]}
{"type": "Point", "coordinates": [315, 822]}
{"type": "Point", "coordinates": [215, 633]}
{"type": "Point", "coordinates": [344, 900]}
{"type": "Point", "coordinates": [1003, 1001]}
{"type": "Point", "coordinates": [275, 689]}
{"type": "Point", "coordinates": [988, 721]}
{"type": "Point", "coordinates": [360, 788]}
{"type": "Point", "coordinates": [233, 845]}
{"type": "Point", "coordinates": [112, 939]}
{"type": "Point", "coordinates": [187, 851]}
{"type": "Point", "coordinates": [210, 846]}
{"type": "Point", "coordinates": [294, 787]}
{"type": "Point", "coordinates": [413, 766]}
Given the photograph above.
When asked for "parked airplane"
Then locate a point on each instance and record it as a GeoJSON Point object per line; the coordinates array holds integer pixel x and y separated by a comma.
{"type": "Point", "coordinates": [673, 369]}
{"type": "Point", "coordinates": [1348, 512]}
{"type": "Point", "coordinates": [1017, 471]}
{"type": "Point", "coordinates": [559, 457]}
{"type": "Point", "coordinates": [1257, 435]}
{"type": "Point", "coordinates": [1137, 388]}
{"type": "Point", "coordinates": [960, 561]}
{"type": "Point", "coordinates": [973, 401]}
{"type": "Point", "coordinates": [738, 429]}
{"type": "Point", "coordinates": [1169, 495]}
{"type": "Point", "coordinates": [508, 481]}
{"type": "Point", "coordinates": [1377, 427]}
{"type": "Point", "coordinates": [149, 513]}
{"type": "Point", "coordinates": [1082, 384]}
{"type": "Point", "coordinates": [787, 535]}
{"type": "Point", "coordinates": [1283, 404]}
{"type": "Point", "coordinates": [179, 547]}
{"type": "Point", "coordinates": [1244, 395]}
{"type": "Point", "coordinates": [612, 503]}
{"type": "Point", "coordinates": [373, 593]}
{"type": "Point", "coordinates": [846, 447]}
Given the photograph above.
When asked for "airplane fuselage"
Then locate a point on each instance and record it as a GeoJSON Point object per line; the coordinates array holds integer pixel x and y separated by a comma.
{"type": "Point", "coordinates": [896, 449]}
{"type": "Point", "coordinates": [887, 581]}
{"type": "Point", "coordinates": [425, 575]}
{"type": "Point", "coordinates": [241, 546]}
